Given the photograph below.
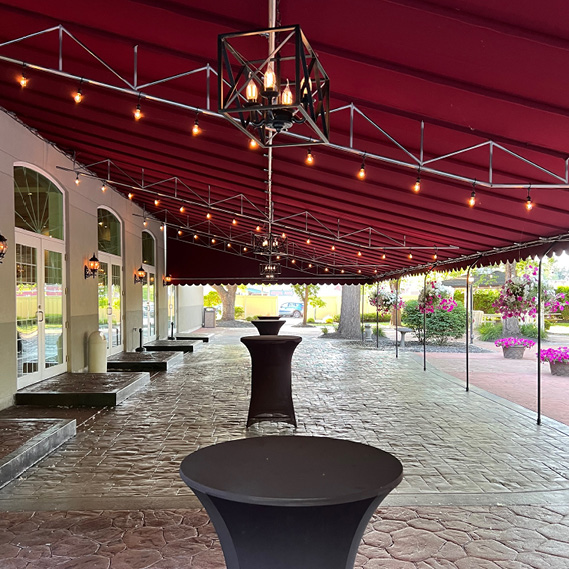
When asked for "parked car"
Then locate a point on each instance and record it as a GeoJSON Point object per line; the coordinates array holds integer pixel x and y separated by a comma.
{"type": "Point", "coordinates": [291, 309]}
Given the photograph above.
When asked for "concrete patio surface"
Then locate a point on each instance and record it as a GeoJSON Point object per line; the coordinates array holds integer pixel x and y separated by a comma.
{"type": "Point", "coordinates": [484, 486]}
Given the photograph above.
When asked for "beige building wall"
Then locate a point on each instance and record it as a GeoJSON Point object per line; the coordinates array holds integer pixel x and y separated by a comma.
{"type": "Point", "coordinates": [20, 146]}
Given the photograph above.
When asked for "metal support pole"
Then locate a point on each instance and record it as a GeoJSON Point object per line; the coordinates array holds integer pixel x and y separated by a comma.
{"type": "Point", "coordinates": [396, 317]}
{"type": "Point", "coordinates": [539, 340]}
{"type": "Point", "coordinates": [362, 311]}
{"type": "Point", "coordinates": [377, 320]}
{"type": "Point", "coordinates": [140, 348]}
{"type": "Point", "coordinates": [425, 323]}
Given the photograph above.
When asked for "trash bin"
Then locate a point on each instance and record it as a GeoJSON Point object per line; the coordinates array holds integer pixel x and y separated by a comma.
{"type": "Point", "coordinates": [209, 317]}
{"type": "Point", "coordinates": [97, 353]}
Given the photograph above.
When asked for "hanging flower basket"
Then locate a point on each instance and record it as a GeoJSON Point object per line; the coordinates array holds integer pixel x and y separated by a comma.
{"type": "Point", "coordinates": [558, 359]}
{"type": "Point", "coordinates": [514, 348]}
{"type": "Point", "coordinates": [436, 296]}
{"type": "Point", "coordinates": [385, 300]}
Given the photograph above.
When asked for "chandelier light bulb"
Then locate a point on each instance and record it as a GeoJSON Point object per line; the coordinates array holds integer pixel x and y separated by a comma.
{"type": "Point", "coordinates": [286, 97]}
{"type": "Point", "coordinates": [251, 91]}
{"type": "Point", "coordinates": [270, 79]}
{"type": "Point", "coordinates": [309, 157]}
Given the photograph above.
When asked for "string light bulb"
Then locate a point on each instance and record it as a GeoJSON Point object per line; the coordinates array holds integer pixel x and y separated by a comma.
{"type": "Point", "coordinates": [104, 187]}
{"type": "Point", "coordinates": [234, 222]}
{"type": "Point", "coordinates": [157, 202]}
{"type": "Point", "coordinates": [137, 111]}
{"type": "Point", "coordinates": [196, 236]}
{"type": "Point", "coordinates": [180, 232]}
{"type": "Point", "coordinates": [333, 248]}
{"type": "Point", "coordinates": [362, 172]}
{"type": "Point", "coordinates": [417, 185]}
{"type": "Point", "coordinates": [208, 215]}
{"type": "Point", "coordinates": [410, 255]}
{"type": "Point", "coordinates": [196, 128]}
{"type": "Point", "coordinates": [309, 157]}
{"type": "Point", "coordinates": [130, 195]}
{"type": "Point", "coordinates": [529, 203]}
{"type": "Point", "coordinates": [472, 199]}
{"type": "Point", "coordinates": [78, 96]}
{"type": "Point", "coordinates": [253, 144]}
{"type": "Point", "coordinates": [383, 256]}
{"type": "Point", "coordinates": [359, 253]}
{"type": "Point", "coordinates": [308, 241]}
{"type": "Point", "coordinates": [77, 180]}
{"type": "Point", "coordinates": [213, 241]}
{"type": "Point", "coordinates": [293, 261]}
{"type": "Point", "coordinates": [23, 80]}
{"type": "Point", "coordinates": [182, 209]}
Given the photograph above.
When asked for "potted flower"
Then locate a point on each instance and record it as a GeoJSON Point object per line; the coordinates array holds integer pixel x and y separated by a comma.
{"type": "Point", "coordinates": [514, 348]}
{"type": "Point", "coordinates": [558, 359]}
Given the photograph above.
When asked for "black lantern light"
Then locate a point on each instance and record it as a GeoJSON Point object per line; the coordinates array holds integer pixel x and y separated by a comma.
{"type": "Point", "coordinates": [92, 267]}
{"type": "Point", "coordinates": [140, 276]}
{"type": "Point", "coordinates": [3, 246]}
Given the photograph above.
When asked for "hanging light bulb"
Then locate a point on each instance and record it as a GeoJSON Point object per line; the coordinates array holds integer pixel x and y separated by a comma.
{"type": "Point", "coordinates": [130, 195]}
{"type": "Point", "coordinates": [293, 261]}
{"type": "Point", "coordinates": [342, 271]}
{"type": "Point", "coordinates": [309, 157]}
{"type": "Point", "coordinates": [417, 185]}
{"type": "Point", "coordinates": [196, 236]}
{"type": "Point", "coordinates": [333, 248]}
{"type": "Point", "coordinates": [529, 203]}
{"type": "Point", "coordinates": [23, 80]}
{"type": "Point", "coordinates": [77, 180]}
{"type": "Point", "coordinates": [78, 96]}
{"type": "Point", "coordinates": [104, 187]}
{"type": "Point", "coordinates": [180, 232]}
{"type": "Point", "coordinates": [196, 128]}
{"type": "Point", "coordinates": [137, 111]}
{"type": "Point", "coordinates": [309, 265]}
{"type": "Point", "coordinates": [362, 172]}
{"type": "Point", "coordinates": [383, 256]}
{"type": "Point", "coordinates": [208, 215]}
{"type": "Point", "coordinates": [253, 143]}
{"type": "Point", "coordinates": [308, 241]}
{"type": "Point", "coordinates": [258, 228]}
{"type": "Point", "coordinates": [435, 256]}
{"type": "Point", "coordinates": [182, 209]}
{"type": "Point", "coordinates": [244, 249]}
{"type": "Point", "coordinates": [359, 253]}
{"type": "Point", "coordinates": [410, 255]}
{"type": "Point", "coordinates": [251, 91]}
{"type": "Point", "coordinates": [145, 223]}
{"type": "Point", "coordinates": [213, 241]}
{"type": "Point", "coordinates": [229, 245]}
{"type": "Point", "coordinates": [156, 202]}
{"type": "Point", "coordinates": [286, 97]}
{"type": "Point", "coordinates": [234, 222]}
{"type": "Point", "coordinates": [472, 199]}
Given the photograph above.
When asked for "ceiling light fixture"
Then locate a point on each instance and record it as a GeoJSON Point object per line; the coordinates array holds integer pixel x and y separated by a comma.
{"type": "Point", "coordinates": [267, 94]}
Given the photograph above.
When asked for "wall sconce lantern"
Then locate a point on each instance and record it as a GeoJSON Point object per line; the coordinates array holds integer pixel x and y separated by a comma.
{"type": "Point", "coordinates": [3, 246]}
{"type": "Point", "coordinates": [92, 267]}
{"type": "Point", "coordinates": [167, 280]}
{"type": "Point", "coordinates": [140, 276]}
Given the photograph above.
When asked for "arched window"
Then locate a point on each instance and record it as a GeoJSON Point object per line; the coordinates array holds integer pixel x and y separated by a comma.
{"type": "Point", "coordinates": [109, 232]}
{"type": "Point", "coordinates": [38, 203]}
{"type": "Point", "coordinates": [148, 249]}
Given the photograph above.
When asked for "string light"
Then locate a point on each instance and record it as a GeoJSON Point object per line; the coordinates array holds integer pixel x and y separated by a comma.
{"type": "Point", "coordinates": [253, 144]}
{"type": "Point", "coordinates": [333, 248]}
{"type": "Point", "coordinates": [213, 241]}
{"type": "Point", "coordinates": [326, 270]}
{"type": "Point", "coordinates": [293, 261]}
{"type": "Point", "coordinates": [342, 271]}
{"type": "Point", "coordinates": [78, 96]}
{"type": "Point", "coordinates": [244, 249]}
{"type": "Point", "coordinates": [156, 203]}
{"type": "Point", "coordinates": [529, 203]}
{"type": "Point", "coordinates": [234, 222]}
{"type": "Point", "coordinates": [196, 236]}
{"type": "Point", "coordinates": [258, 228]}
{"type": "Point", "coordinates": [308, 241]}
{"type": "Point", "coordinates": [182, 209]}
{"type": "Point", "coordinates": [383, 256]}
{"type": "Point", "coordinates": [417, 185]}
{"type": "Point", "coordinates": [472, 199]}
{"type": "Point", "coordinates": [77, 180]}
{"type": "Point", "coordinates": [229, 245]}
{"type": "Point", "coordinates": [359, 270]}
{"type": "Point", "coordinates": [309, 265]}
{"type": "Point", "coordinates": [104, 187]}
{"type": "Point", "coordinates": [359, 253]}
{"type": "Point", "coordinates": [309, 157]}
{"type": "Point", "coordinates": [208, 215]}
{"type": "Point", "coordinates": [410, 255]}
{"type": "Point", "coordinates": [180, 232]}
{"type": "Point", "coordinates": [435, 256]}
{"type": "Point", "coordinates": [130, 195]}
{"type": "Point", "coordinates": [137, 111]}
{"type": "Point", "coordinates": [196, 128]}
{"type": "Point", "coordinates": [23, 80]}
{"type": "Point", "coordinates": [362, 172]}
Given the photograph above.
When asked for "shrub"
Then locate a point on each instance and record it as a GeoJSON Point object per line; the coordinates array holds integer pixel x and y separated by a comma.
{"type": "Point", "coordinates": [380, 332]}
{"type": "Point", "coordinates": [329, 320]}
{"type": "Point", "coordinates": [441, 324]}
{"type": "Point", "coordinates": [482, 299]}
{"type": "Point", "coordinates": [239, 312]}
{"type": "Point", "coordinates": [310, 321]}
{"type": "Point", "coordinates": [530, 331]}
{"type": "Point", "coordinates": [324, 330]}
{"type": "Point", "coordinates": [336, 318]}
{"type": "Point", "coordinates": [372, 317]}
{"type": "Point", "coordinates": [490, 331]}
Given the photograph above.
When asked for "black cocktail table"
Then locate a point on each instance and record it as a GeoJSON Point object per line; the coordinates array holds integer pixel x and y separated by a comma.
{"type": "Point", "coordinates": [268, 317]}
{"type": "Point", "coordinates": [268, 327]}
{"type": "Point", "coordinates": [290, 502]}
{"type": "Point", "coordinates": [271, 389]}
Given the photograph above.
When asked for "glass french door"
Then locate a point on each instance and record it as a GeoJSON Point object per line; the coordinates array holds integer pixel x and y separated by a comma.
{"type": "Point", "coordinates": [40, 308]}
{"type": "Point", "coordinates": [149, 305]}
{"type": "Point", "coordinates": [110, 301]}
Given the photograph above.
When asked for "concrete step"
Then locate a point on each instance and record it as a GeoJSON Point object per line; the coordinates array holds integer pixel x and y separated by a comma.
{"type": "Point", "coordinates": [83, 389]}
{"type": "Point", "coordinates": [23, 442]}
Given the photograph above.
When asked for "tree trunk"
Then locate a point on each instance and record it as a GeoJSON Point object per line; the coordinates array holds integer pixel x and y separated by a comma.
{"type": "Point", "coordinates": [510, 326]}
{"type": "Point", "coordinates": [350, 326]}
{"type": "Point", "coordinates": [305, 311]}
{"type": "Point", "coordinates": [227, 294]}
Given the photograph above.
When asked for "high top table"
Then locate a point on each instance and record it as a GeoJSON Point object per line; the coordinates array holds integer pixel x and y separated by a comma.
{"type": "Point", "coordinates": [271, 390]}
{"type": "Point", "coordinates": [290, 502]}
{"type": "Point", "coordinates": [268, 317]}
{"type": "Point", "coordinates": [268, 326]}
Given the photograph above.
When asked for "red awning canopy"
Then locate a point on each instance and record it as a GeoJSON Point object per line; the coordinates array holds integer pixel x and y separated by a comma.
{"type": "Point", "coordinates": [475, 74]}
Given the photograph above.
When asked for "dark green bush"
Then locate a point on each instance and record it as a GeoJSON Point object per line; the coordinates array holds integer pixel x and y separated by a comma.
{"type": "Point", "coordinates": [441, 325]}
{"type": "Point", "coordinates": [482, 299]}
{"type": "Point", "coordinates": [239, 312]}
{"type": "Point", "coordinates": [371, 317]}
{"type": "Point", "coordinates": [530, 331]}
{"type": "Point", "coordinates": [490, 331]}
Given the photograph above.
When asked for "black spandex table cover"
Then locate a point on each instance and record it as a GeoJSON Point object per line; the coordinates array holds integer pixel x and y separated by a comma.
{"type": "Point", "coordinates": [271, 390]}
{"type": "Point", "coordinates": [290, 502]}
{"type": "Point", "coordinates": [268, 327]}
{"type": "Point", "coordinates": [268, 317]}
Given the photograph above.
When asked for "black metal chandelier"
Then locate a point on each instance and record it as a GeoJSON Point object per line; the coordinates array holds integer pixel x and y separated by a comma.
{"type": "Point", "coordinates": [270, 244]}
{"type": "Point", "coordinates": [270, 270]}
{"type": "Point", "coordinates": [264, 95]}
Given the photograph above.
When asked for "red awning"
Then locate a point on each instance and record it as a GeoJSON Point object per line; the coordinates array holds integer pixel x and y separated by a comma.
{"type": "Point", "coordinates": [475, 74]}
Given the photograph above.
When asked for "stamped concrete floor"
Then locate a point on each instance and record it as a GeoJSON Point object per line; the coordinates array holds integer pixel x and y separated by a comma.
{"type": "Point", "coordinates": [484, 486]}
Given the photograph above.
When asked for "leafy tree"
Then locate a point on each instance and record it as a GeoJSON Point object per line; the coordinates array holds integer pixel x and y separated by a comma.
{"type": "Point", "coordinates": [309, 296]}
{"type": "Point", "coordinates": [212, 298]}
{"type": "Point", "coordinates": [441, 325]}
{"type": "Point", "coordinates": [227, 294]}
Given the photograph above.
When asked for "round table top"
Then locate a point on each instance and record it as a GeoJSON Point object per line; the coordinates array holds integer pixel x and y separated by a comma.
{"type": "Point", "coordinates": [274, 338]}
{"type": "Point", "coordinates": [292, 471]}
{"type": "Point", "coordinates": [268, 317]}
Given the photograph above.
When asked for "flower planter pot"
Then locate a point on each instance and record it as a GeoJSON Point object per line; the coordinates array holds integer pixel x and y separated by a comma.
{"type": "Point", "coordinates": [513, 352]}
{"type": "Point", "coordinates": [559, 368]}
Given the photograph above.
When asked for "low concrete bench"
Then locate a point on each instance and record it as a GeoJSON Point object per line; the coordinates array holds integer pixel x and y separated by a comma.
{"type": "Point", "coordinates": [402, 330]}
